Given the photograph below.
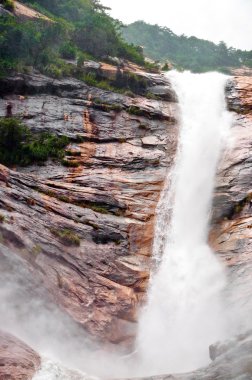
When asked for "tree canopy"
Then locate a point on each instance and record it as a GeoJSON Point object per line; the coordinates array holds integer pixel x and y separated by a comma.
{"type": "Point", "coordinates": [197, 55]}
{"type": "Point", "coordinates": [78, 28]}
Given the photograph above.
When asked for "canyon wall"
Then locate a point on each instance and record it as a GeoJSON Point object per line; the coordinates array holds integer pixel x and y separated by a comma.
{"type": "Point", "coordinates": [120, 153]}
{"type": "Point", "coordinates": [232, 207]}
{"type": "Point", "coordinates": [86, 228]}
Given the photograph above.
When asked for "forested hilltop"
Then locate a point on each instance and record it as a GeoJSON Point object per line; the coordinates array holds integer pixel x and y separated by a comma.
{"type": "Point", "coordinates": [197, 55]}
{"type": "Point", "coordinates": [79, 29]}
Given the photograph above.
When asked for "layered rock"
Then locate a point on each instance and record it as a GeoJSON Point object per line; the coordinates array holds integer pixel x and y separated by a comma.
{"type": "Point", "coordinates": [87, 230]}
{"type": "Point", "coordinates": [17, 360]}
{"type": "Point", "coordinates": [231, 236]}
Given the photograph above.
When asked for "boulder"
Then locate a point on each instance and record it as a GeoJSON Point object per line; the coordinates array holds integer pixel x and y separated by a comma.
{"type": "Point", "coordinates": [17, 360]}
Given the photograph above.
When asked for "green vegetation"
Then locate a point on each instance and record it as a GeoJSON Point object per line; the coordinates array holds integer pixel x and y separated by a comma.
{"type": "Point", "coordinates": [70, 163]}
{"type": "Point", "coordinates": [133, 110]}
{"type": "Point", "coordinates": [8, 4]}
{"type": "Point", "coordinates": [192, 53]}
{"type": "Point", "coordinates": [107, 107]}
{"type": "Point", "coordinates": [2, 218]}
{"type": "Point", "coordinates": [93, 225]}
{"type": "Point", "coordinates": [130, 82]}
{"type": "Point", "coordinates": [126, 83]}
{"type": "Point", "coordinates": [36, 250]}
{"type": "Point", "coordinates": [77, 29]}
{"type": "Point", "coordinates": [92, 79]}
{"type": "Point", "coordinates": [240, 205]}
{"type": "Point", "coordinates": [165, 67]}
{"type": "Point", "coordinates": [19, 146]}
{"type": "Point", "coordinates": [97, 207]}
{"type": "Point", "coordinates": [66, 236]}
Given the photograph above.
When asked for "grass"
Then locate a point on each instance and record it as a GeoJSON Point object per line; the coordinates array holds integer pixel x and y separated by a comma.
{"type": "Point", "coordinates": [18, 146]}
{"type": "Point", "coordinates": [36, 250]}
{"type": "Point", "coordinates": [93, 225]}
{"type": "Point", "coordinates": [133, 110]}
{"type": "Point", "coordinates": [239, 206]}
{"type": "Point", "coordinates": [70, 163]}
{"type": "Point", "coordinates": [96, 207]}
{"type": "Point", "coordinates": [126, 83]}
{"type": "Point", "coordinates": [101, 208]}
{"type": "Point", "coordinates": [9, 5]}
{"type": "Point", "coordinates": [99, 104]}
{"type": "Point", "coordinates": [66, 236]}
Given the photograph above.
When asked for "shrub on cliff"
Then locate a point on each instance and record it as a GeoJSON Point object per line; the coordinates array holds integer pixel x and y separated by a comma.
{"type": "Point", "coordinates": [68, 50]}
{"type": "Point", "coordinates": [8, 4]}
{"type": "Point", "coordinates": [18, 146]}
{"type": "Point", "coordinates": [29, 44]}
{"type": "Point", "coordinates": [66, 236]}
{"type": "Point", "coordinates": [13, 135]}
{"type": "Point", "coordinates": [88, 28]}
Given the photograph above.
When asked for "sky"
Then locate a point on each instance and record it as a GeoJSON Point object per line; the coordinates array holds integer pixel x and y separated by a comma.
{"type": "Point", "coordinates": [214, 20]}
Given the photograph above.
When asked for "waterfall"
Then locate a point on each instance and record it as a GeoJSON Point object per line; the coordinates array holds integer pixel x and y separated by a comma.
{"type": "Point", "coordinates": [185, 313]}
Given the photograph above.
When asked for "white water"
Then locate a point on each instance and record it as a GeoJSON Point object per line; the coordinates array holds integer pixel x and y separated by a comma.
{"type": "Point", "coordinates": [185, 313]}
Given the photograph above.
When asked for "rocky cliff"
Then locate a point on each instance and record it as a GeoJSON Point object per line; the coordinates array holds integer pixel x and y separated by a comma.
{"type": "Point", "coordinates": [87, 228]}
{"type": "Point", "coordinates": [17, 360]}
{"type": "Point", "coordinates": [232, 209]}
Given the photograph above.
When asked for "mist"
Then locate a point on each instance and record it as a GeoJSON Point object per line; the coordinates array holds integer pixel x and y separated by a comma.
{"type": "Point", "coordinates": [172, 336]}
{"type": "Point", "coordinates": [225, 20]}
{"type": "Point", "coordinates": [28, 312]}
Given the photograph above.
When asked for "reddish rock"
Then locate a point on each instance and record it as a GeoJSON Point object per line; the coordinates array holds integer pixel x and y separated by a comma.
{"type": "Point", "coordinates": [17, 360]}
{"type": "Point", "coordinates": [106, 202]}
{"type": "Point", "coordinates": [231, 235]}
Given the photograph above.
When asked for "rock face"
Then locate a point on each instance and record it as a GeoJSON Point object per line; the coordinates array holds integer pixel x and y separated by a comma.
{"type": "Point", "coordinates": [17, 360]}
{"type": "Point", "coordinates": [87, 230]}
{"type": "Point", "coordinates": [231, 361]}
{"type": "Point", "coordinates": [231, 236]}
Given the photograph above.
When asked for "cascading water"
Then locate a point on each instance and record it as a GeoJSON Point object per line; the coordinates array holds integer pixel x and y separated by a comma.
{"type": "Point", "coordinates": [184, 313]}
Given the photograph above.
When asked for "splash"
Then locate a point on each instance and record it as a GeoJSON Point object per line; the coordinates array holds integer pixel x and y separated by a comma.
{"type": "Point", "coordinates": [185, 313]}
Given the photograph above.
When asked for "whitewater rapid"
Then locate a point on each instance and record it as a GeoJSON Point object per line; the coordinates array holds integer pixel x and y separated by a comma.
{"type": "Point", "coordinates": [185, 312]}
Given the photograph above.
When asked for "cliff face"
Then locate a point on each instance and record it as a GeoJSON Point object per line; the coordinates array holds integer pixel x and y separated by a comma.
{"type": "Point", "coordinates": [87, 230]}
{"type": "Point", "coordinates": [231, 236]}
{"type": "Point", "coordinates": [17, 360]}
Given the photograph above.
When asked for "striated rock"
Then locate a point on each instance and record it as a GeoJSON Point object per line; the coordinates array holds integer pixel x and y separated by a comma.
{"type": "Point", "coordinates": [17, 360]}
{"type": "Point", "coordinates": [87, 229]}
{"type": "Point", "coordinates": [163, 92]}
{"type": "Point", "coordinates": [231, 235]}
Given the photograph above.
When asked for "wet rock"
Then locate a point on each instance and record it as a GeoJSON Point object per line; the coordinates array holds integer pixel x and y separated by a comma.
{"type": "Point", "coordinates": [120, 153]}
{"type": "Point", "coordinates": [231, 234]}
{"type": "Point", "coordinates": [163, 92]}
{"type": "Point", "coordinates": [17, 360]}
{"type": "Point", "coordinates": [231, 361]}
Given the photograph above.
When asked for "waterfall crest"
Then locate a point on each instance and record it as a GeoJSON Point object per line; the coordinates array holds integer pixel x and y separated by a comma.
{"type": "Point", "coordinates": [184, 313]}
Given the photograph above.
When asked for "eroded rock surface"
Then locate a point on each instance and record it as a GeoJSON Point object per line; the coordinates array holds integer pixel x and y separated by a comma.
{"type": "Point", "coordinates": [231, 236]}
{"type": "Point", "coordinates": [17, 360]}
{"type": "Point", "coordinates": [88, 229]}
